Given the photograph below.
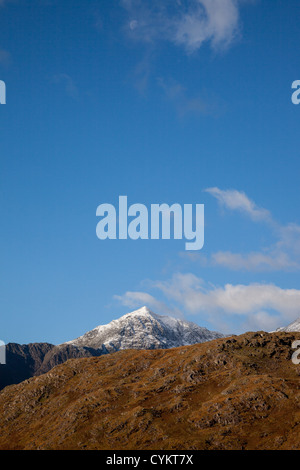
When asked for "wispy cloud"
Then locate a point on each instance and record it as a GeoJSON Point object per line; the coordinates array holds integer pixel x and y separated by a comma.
{"type": "Point", "coordinates": [263, 306]}
{"type": "Point", "coordinates": [238, 201]}
{"type": "Point", "coordinates": [137, 299]}
{"type": "Point", "coordinates": [282, 254]}
{"type": "Point", "coordinates": [257, 305]}
{"type": "Point", "coordinates": [196, 296]}
{"type": "Point", "coordinates": [142, 73]}
{"type": "Point", "coordinates": [185, 104]}
{"type": "Point", "coordinates": [188, 23]}
{"type": "Point", "coordinates": [68, 83]}
{"type": "Point", "coordinates": [216, 21]}
{"type": "Point", "coordinates": [255, 261]}
{"type": "Point", "coordinates": [289, 238]}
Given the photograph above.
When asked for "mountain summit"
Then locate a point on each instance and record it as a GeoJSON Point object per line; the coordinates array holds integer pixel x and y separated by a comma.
{"type": "Point", "coordinates": [143, 329]}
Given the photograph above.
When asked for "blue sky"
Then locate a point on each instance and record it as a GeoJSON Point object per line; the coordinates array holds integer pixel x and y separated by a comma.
{"type": "Point", "coordinates": [189, 102]}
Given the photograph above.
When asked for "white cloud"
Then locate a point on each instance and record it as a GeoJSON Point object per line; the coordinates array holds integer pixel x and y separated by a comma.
{"type": "Point", "coordinates": [282, 254]}
{"type": "Point", "coordinates": [189, 24]}
{"type": "Point", "coordinates": [255, 261]}
{"type": "Point", "coordinates": [238, 201]}
{"type": "Point", "coordinates": [207, 20]}
{"type": "Point", "coordinates": [137, 299]}
{"type": "Point", "coordinates": [133, 25]}
{"type": "Point", "coordinates": [239, 299]}
{"type": "Point", "coordinates": [259, 305]}
{"type": "Point", "coordinates": [261, 321]}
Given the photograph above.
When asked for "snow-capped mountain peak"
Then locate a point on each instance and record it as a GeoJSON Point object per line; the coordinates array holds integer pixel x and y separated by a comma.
{"type": "Point", "coordinates": [141, 311]}
{"type": "Point", "coordinates": [143, 329]}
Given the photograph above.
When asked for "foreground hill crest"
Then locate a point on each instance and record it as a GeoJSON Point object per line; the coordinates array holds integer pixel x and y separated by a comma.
{"type": "Point", "coordinates": [240, 393]}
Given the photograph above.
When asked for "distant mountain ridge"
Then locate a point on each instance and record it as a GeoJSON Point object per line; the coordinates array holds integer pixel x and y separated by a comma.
{"type": "Point", "coordinates": [22, 361]}
{"type": "Point", "coordinates": [28, 360]}
{"type": "Point", "coordinates": [141, 329]}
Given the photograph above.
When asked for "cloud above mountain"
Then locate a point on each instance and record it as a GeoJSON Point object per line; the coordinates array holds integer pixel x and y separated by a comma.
{"type": "Point", "coordinates": [282, 254]}
{"type": "Point", "coordinates": [257, 305]}
{"type": "Point", "coordinates": [185, 23]}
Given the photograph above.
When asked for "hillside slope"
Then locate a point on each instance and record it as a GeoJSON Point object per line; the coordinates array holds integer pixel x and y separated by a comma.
{"type": "Point", "coordinates": [234, 393]}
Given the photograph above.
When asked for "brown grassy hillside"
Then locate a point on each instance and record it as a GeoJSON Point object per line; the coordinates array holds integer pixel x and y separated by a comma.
{"type": "Point", "coordinates": [236, 393]}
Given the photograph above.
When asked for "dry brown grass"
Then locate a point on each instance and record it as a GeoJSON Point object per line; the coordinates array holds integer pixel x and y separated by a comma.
{"type": "Point", "coordinates": [236, 393]}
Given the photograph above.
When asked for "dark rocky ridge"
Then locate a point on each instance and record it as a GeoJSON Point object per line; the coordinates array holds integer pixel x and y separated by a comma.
{"type": "Point", "coordinates": [22, 362]}
{"type": "Point", "coordinates": [60, 354]}
{"type": "Point", "coordinates": [29, 360]}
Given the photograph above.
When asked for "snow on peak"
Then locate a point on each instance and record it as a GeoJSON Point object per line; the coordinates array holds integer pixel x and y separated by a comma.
{"type": "Point", "coordinates": [143, 329]}
{"type": "Point", "coordinates": [141, 311]}
{"type": "Point", "coordinates": [292, 327]}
